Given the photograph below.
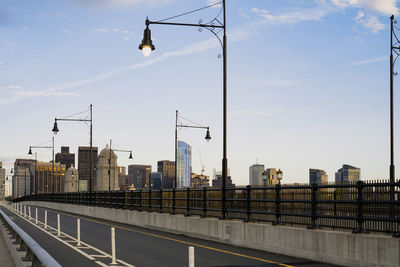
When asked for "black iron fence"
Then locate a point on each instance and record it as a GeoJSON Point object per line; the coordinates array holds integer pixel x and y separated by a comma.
{"type": "Point", "coordinates": [361, 207]}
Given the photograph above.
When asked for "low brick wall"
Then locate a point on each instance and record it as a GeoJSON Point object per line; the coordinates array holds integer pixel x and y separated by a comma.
{"type": "Point", "coordinates": [336, 247]}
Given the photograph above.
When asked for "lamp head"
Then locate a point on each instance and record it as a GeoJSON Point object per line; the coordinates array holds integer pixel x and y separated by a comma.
{"type": "Point", "coordinates": [147, 45]}
{"type": "Point", "coordinates": [30, 151]}
{"type": "Point", "coordinates": [130, 155]}
{"type": "Point", "coordinates": [208, 136]}
{"type": "Point", "coordinates": [55, 127]}
{"type": "Point", "coordinates": [279, 174]}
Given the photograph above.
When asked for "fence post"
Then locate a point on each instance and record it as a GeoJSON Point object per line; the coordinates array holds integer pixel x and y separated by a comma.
{"type": "Point", "coordinates": [187, 202]}
{"type": "Point", "coordinates": [58, 224]}
{"type": "Point", "coordinates": [277, 205]}
{"type": "Point", "coordinates": [334, 204]}
{"type": "Point", "coordinates": [36, 221]}
{"type": "Point", "coordinates": [360, 216]}
{"type": "Point", "coordinates": [45, 219]}
{"type": "Point", "coordinates": [248, 203]}
{"type": "Point", "coordinates": [314, 216]}
{"type": "Point", "coordinates": [78, 231]}
{"type": "Point", "coordinates": [160, 199]}
{"type": "Point", "coordinates": [191, 256]}
{"type": "Point", "coordinates": [140, 199]}
{"type": "Point", "coordinates": [149, 206]}
{"type": "Point", "coordinates": [131, 194]}
{"type": "Point", "coordinates": [204, 202]}
{"type": "Point", "coordinates": [173, 200]}
{"type": "Point", "coordinates": [114, 259]}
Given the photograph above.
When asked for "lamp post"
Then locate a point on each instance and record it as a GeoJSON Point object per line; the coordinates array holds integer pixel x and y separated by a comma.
{"type": "Point", "coordinates": [279, 175]}
{"type": "Point", "coordinates": [55, 131]}
{"type": "Point", "coordinates": [180, 125]}
{"type": "Point", "coordinates": [53, 176]}
{"type": "Point", "coordinates": [109, 162]}
{"type": "Point", "coordinates": [147, 46]}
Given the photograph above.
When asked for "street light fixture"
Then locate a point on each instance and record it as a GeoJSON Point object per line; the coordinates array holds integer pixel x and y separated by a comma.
{"type": "Point", "coordinates": [180, 125]}
{"type": "Point", "coordinates": [55, 130]}
{"type": "Point", "coordinates": [53, 176]}
{"type": "Point", "coordinates": [213, 26]}
{"type": "Point", "coordinates": [279, 175]}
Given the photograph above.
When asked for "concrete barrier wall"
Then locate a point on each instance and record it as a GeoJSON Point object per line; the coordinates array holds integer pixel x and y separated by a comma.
{"type": "Point", "coordinates": [336, 247]}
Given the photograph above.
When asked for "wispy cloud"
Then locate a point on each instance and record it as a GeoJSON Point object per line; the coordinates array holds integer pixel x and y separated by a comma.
{"type": "Point", "coordinates": [44, 93]}
{"type": "Point", "coordinates": [66, 30]}
{"type": "Point", "coordinates": [124, 2]}
{"type": "Point", "coordinates": [367, 61]}
{"type": "Point", "coordinates": [254, 113]}
{"type": "Point", "coordinates": [125, 33]}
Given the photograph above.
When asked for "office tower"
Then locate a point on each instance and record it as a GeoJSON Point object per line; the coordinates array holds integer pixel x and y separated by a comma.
{"type": "Point", "coordinates": [139, 176]}
{"type": "Point", "coordinates": [255, 175]}
{"type": "Point", "coordinates": [155, 180]}
{"type": "Point", "coordinates": [24, 174]}
{"type": "Point", "coordinates": [167, 168]}
{"type": "Point", "coordinates": [347, 174]}
{"type": "Point", "coordinates": [200, 180]}
{"type": "Point", "coordinates": [66, 158]}
{"type": "Point", "coordinates": [184, 165]}
{"type": "Point", "coordinates": [107, 172]}
{"type": "Point", "coordinates": [71, 183]}
{"type": "Point", "coordinates": [84, 164]}
{"type": "Point", "coordinates": [2, 182]}
{"type": "Point", "coordinates": [45, 182]}
{"type": "Point", "coordinates": [318, 176]}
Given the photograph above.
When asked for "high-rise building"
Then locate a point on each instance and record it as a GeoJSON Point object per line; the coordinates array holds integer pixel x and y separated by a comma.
{"type": "Point", "coordinates": [107, 175]}
{"type": "Point", "coordinates": [184, 165]}
{"type": "Point", "coordinates": [2, 182]}
{"type": "Point", "coordinates": [155, 180]}
{"type": "Point", "coordinates": [84, 164]}
{"type": "Point", "coordinates": [167, 168]}
{"type": "Point", "coordinates": [200, 180]}
{"type": "Point", "coordinates": [139, 176]}
{"type": "Point", "coordinates": [318, 176]}
{"type": "Point", "coordinates": [270, 177]}
{"type": "Point", "coordinates": [24, 174]}
{"type": "Point", "coordinates": [255, 175]}
{"type": "Point", "coordinates": [122, 178]}
{"type": "Point", "coordinates": [217, 182]}
{"type": "Point", "coordinates": [66, 158]}
{"type": "Point", "coordinates": [44, 182]}
{"type": "Point", "coordinates": [347, 174]}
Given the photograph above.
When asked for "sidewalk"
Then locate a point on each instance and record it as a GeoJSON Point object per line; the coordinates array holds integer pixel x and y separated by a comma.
{"type": "Point", "coordinates": [5, 257]}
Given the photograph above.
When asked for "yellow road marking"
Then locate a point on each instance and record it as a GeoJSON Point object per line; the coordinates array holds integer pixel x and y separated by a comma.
{"type": "Point", "coordinates": [180, 241]}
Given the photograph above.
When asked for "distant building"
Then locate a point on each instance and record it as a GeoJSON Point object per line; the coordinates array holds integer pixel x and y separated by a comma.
{"type": "Point", "coordinates": [71, 180]}
{"type": "Point", "coordinates": [107, 173]}
{"type": "Point", "coordinates": [270, 177]}
{"type": "Point", "coordinates": [200, 180]}
{"type": "Point", "coordinates": [255, 175]}
{"type": "Point", "coordinates": [155, 180]}
{"type": "Point", "coordinates": [84, 164]}
{"type": "Point", "coordinates": [2, 182]}
{"type": "Point", "coordinates": [139, 176]}
{"type": "Point", "coordinates": [122, 178]}
{"type": "Point", "coordinates": [217, 182]}
{"type": "Point", "coordinates": [184, 167]}
{"type": "Point", "coordinates": [167, 168]}
{"type": "Point", "coordinates": [44, 180]}
{"type": "Point", "coordinates": [318, 176]}
{"type": "Point", "coordinates": [347, 174]}
{"type": "Point", "coordinates": [23, 177]}
{"type": "Point", "coordinates": [66, 158]}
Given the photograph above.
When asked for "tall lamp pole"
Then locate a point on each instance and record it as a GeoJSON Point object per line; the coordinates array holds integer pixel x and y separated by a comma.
{"type": "Point", "coordinates": [109, 162]}
{"type": "Point", "coordinates": [180, 125]}
{"type": "Point", "coordinates": [52, 147]}
{"type": "Point", "coordinates": [55, 131]}
{"type": "Point", "coordinates": [213, 26]}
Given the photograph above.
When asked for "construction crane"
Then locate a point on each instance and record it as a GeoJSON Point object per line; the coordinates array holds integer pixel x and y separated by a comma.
{"type": "Point", "coordinates": [201, 164]}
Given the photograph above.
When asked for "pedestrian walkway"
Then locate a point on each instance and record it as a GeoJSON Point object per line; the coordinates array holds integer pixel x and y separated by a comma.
{"type": "Point", "coordinates": [5, 257]}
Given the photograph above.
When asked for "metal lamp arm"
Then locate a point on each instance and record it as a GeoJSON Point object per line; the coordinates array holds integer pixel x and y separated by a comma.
{"type": "Point", "coordinates": [71, 120]}
{"type": "Point", "coordinates": [190, 126]}
{"type": "Point", "coordinates": [121, 150]}
{"type": "Point", "coordinates": [40, 146]}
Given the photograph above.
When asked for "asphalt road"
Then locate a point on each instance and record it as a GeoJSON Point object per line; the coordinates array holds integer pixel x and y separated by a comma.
{"type": "Point", "coordinates": [141, 247]}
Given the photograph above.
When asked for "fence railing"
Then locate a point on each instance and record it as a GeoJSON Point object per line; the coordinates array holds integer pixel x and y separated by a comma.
{"type": "Point", "coordinates": [361, 207]}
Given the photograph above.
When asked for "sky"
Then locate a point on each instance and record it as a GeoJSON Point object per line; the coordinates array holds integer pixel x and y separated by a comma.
{"type": "Point", "coordinates": [308, 82]}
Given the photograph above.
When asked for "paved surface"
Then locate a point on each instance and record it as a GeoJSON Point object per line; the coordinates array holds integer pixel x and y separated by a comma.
{"type": "Point", "coordinates": [143, 247]}
{"type": "Point", "coordinates": [5, 257]}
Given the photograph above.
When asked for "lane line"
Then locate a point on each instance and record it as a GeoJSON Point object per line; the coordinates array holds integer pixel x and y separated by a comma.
{"type": "Point", "coordinates": [180, 241]}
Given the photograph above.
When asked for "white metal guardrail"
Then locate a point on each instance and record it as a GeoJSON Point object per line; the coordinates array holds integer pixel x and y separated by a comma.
{"type": "Point", "coordinates": [34, 252]}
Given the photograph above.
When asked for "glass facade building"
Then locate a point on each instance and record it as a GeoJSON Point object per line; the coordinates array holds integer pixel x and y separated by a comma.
{"type": "Point", "coordinates": [184, 168]}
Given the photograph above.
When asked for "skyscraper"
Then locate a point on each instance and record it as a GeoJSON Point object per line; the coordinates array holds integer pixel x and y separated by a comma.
{"type": "Point", "coordinates": [84, 164]}
{"type": "Point", "coordinates": [2, 181]}
{"type": "Point", "coordinates": [347, 174]}
{"type": "Point", "coordinates": [155, 180]}
{"type": "Point", "coordinates": [184, 165]}
{"type": "Point", "coordinates": [139, 176]}
{"type": "Point", "coordinates": [255, 175]}
{"type": "Point", "coordinates": [318, 176]}
{"type": "Point", "coordinates": [66, 158]}
{"type": "Point", "coordinates": [167, 168]}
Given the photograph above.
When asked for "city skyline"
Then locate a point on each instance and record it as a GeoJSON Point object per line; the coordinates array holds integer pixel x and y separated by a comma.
{"type": "Point", "coordinates": [308, 83]}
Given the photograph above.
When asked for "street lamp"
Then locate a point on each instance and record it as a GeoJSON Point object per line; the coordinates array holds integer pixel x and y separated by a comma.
{"type": "Point", "coordinates": [109, 162]}
{"type": "Point", "coordinates": [180, 125]}
{"type": "Point", "coordinates": [53, 176]}
{"type": "Point", "coordinates": [279, 175]}
{"type": "Point", "coordinates": [56, 130]}
{"type": "Point", "coordinates": [213, 26]}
